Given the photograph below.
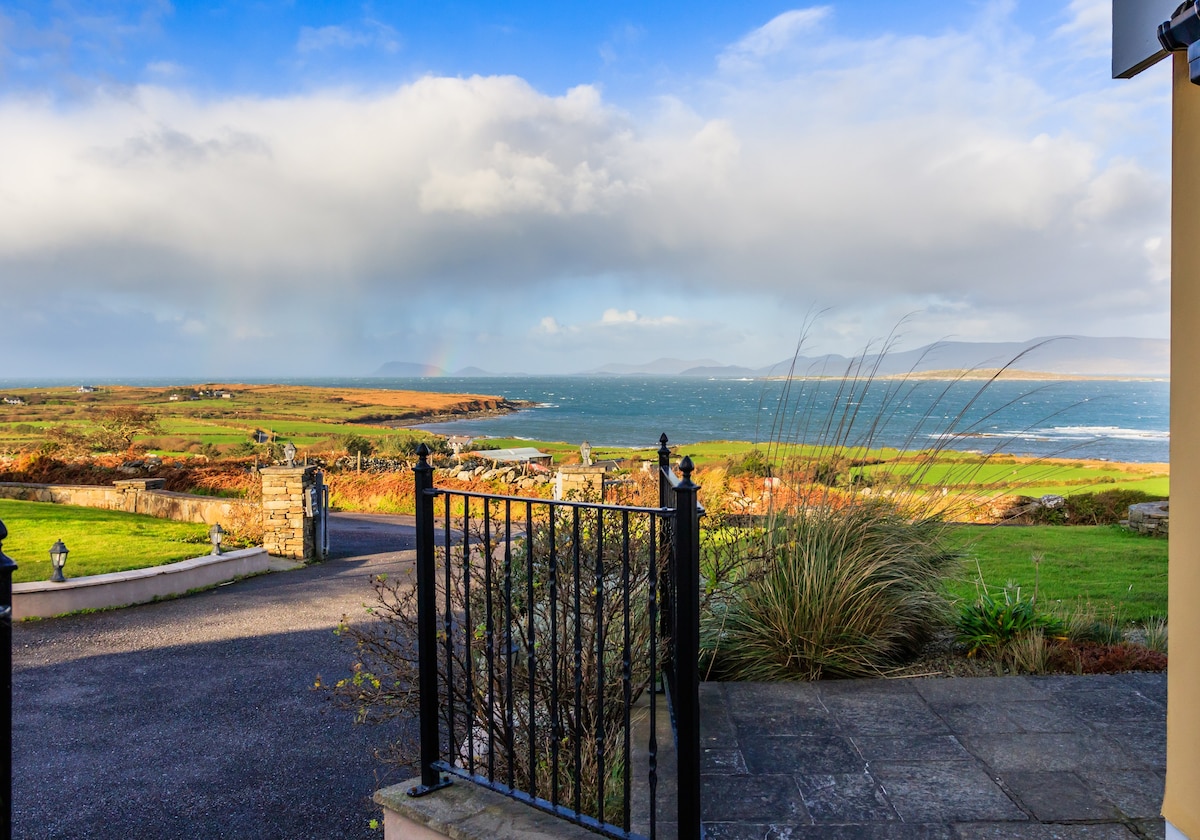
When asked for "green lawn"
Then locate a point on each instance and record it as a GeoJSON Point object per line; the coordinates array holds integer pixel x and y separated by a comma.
{"type": "Point", "coordinates": [99, 541]}
{"type": "Point", "coordinates": [1120, 573]}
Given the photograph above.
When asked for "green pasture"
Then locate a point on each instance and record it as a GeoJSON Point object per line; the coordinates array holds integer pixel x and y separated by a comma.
{"type": "Point", "coordinates": [1119, 574]}
{"type": "Point", "coordinates": [99, 541]}
{"type": "Point", "coordinates": [1031, 479]}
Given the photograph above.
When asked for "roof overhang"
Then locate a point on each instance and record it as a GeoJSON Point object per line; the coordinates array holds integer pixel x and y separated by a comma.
{"type": "Point", "coordinates": [1135, 34]}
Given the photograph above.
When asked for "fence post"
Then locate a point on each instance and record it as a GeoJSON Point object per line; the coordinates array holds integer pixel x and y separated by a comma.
{"type": "Point", "coordinates": [664, 463]}
{"type": "Point", "coordinates": [427, 679]}
{"type": "Point", "coordinates": [686, 643]}
{"type": "Point", "coordinates": [7, 567]}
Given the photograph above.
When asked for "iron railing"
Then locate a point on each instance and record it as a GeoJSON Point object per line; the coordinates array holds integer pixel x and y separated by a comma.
{"type": "Point", "coordinates": [541, 625]}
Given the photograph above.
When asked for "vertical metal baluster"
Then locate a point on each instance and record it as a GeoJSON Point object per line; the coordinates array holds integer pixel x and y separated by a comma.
{"type": "Point", "coordinates": [626, 669]}
{"type": "Point", "coordinates": [531, 655]}
{"type": "Point", "coordinates": [555, 719]}
{"type": "Point", "coordinates": [652, 747]}
{"type": "Point", "coordinates": [489, 640]}
{"type": "Point", "coordinates": [599, 607]}
{"type": "Point", "coordinates": [665, 500]}
{"type": "Point", "coordinates": [448, 627]}
{"type": "Point", "coordinates": [578, 723]}
{"type": "Point", "coordinates": [468, 632]}
{"type": "Point", "coordinates": [509, 653]}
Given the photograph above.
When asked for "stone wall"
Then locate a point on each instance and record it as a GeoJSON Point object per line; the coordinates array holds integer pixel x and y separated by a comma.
{"type": "Point", "coordinates": [1150, 518]}
{"type": "Point", "coordinates": [580, 482]}
{"type": "Point", "coordinates": [140, 495]}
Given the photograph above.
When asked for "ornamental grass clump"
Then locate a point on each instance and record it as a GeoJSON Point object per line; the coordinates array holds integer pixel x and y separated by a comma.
{"type": "Point", "coordinates": [844, 592]}
{"type": "Point", "coordinates": [848, 557]}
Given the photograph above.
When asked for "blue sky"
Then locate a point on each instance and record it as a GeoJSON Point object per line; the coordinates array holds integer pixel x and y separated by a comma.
{"type": "Point", "coordinates": [215, 190]}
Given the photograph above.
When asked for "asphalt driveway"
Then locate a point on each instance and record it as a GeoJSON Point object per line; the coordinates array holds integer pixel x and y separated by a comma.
{"type": "Point", "coordinates": [196, 717]}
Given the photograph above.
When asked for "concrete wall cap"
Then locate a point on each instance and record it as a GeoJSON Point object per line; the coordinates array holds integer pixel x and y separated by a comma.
{"type": "Point", "coordinates": [466, 811]}
{"type": "Point", "coordinates": [135, 574]}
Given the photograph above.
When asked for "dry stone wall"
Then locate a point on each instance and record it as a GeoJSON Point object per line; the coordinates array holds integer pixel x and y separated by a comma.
{"type": "Point", "coordinates": [134, 496]}
{"type": "Point", "coordinates": [1150, 518]}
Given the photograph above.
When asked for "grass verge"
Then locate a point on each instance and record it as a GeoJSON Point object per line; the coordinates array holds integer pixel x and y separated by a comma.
{"type": "Point", "coordinates": [99, 541]}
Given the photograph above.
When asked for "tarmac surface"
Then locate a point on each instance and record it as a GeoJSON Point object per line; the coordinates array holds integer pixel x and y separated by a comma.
{"type": "Point", "coordinates": [196, 718]}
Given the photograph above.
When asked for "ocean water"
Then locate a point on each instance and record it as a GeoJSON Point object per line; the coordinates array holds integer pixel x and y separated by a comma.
{"type": "Point", "coordinates": [1114, 420]}
{"type": "Point", "coordinates": [1118, 421]}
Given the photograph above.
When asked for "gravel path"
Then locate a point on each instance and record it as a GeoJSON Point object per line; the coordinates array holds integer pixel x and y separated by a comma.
{"type": "Point", "coordinates": [195, 717]}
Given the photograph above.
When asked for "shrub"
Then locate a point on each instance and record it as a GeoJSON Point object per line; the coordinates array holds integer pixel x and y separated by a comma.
{"type": "Point", "coordinates": [753, 463]}
{"type": "Point", "coordinates": [840, 593]}
{"type": "Point", "coordinates": [1155, 633]}
{"type": "Point", "coordinates": [989, 625]}
{"type": "Point", "coordinates": [357, 445]}
{"type": "Point", "coordinates": [1108, 507]}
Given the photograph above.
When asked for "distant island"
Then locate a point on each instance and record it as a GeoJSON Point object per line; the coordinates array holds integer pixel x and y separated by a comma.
{"type": "Point", "coordinates": [1054, 357]}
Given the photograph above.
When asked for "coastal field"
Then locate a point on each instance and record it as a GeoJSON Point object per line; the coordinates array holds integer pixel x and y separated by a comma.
{"type": "Point", "coordinates": [201, 419]}
{"type": "Point", "coordinates": [218, 420]}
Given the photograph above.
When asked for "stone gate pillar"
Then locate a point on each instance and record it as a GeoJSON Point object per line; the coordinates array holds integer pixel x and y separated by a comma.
{"type": "Point", "coordinates": [289, 524]}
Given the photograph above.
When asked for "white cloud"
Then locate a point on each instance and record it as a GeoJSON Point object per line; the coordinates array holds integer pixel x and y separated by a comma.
{"type": "Point", "coordinates": [1089, 26]}
{"type": "Point", "coordinates": [550, 326]}
{"type": "Point", "coordinates": [371, 33]}
{"type": "Point", "coordinates": [936, 174]}
{"type": "Point", "coordinates": [773, 37]}
{"type": "Point", "coordinates": [631, 317]}
{"type": "Point", "coordinates": [164, 69]}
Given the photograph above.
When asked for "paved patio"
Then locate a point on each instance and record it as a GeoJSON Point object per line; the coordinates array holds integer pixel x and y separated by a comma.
{"type": "Point", "coordinates": [935, 759]}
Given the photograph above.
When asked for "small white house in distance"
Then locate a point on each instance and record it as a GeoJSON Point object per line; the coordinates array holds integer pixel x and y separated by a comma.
{"type": "Point", "coordinates": [520, 455]}
{"type": "Point", "coordinates": [458, 443]}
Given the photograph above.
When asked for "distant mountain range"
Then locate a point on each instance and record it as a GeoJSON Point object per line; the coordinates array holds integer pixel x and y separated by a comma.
{"type": "Point", "coordinates": [1066, 355]}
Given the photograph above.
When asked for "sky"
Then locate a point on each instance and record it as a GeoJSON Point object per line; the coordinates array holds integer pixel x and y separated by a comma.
{"type": "Point", "coordinates": [223, 190]}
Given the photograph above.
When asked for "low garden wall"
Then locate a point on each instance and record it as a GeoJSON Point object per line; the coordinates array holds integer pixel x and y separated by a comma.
{"type": "Point", "coordinates": [139, 495]}
{"type": "Point", "coordinates": [45, 598]}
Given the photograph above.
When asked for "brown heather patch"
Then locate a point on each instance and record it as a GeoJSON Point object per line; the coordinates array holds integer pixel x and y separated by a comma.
{"type": "Point", "coordinates": [179, 476]}
{"type": "Point", "coordinates": [1096, 658]}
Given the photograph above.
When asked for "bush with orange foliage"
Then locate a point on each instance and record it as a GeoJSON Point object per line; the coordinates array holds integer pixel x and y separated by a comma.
{"type": "Point", "coordinates": [188, 476]}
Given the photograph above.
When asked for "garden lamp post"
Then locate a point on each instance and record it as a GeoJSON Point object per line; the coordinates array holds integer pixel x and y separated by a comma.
{"type": "Point", "coordinates": [289, 453]}
{"type": "Point", "coordinates": [58, 559]}
{"type": "Point", "coordinates": [215, 534]}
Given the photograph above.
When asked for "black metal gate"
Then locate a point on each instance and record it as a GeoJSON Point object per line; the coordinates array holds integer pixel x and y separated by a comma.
{"type": "Point", "coordinates": [541, 625]}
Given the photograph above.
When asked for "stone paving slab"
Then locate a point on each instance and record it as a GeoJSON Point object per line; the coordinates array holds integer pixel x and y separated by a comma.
{"type": "Point", "coordinates": [1040, 758]}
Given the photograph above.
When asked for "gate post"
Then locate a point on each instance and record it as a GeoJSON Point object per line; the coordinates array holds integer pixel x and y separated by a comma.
{"type": "Point", "coordinates": [427, 679]}
{"type": "Point", "coordinates": [288, 517]}
{"type": "Point", "coordinates": [7, 567]}
{"type": "Point", "coordinates": [666, 577]}
{"type": "Point", "coordinates": [686, 645]}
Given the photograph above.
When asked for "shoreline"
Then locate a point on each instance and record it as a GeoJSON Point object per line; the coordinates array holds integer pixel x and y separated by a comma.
{"type": "Point", "coordinates": [503, 407]}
